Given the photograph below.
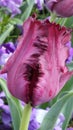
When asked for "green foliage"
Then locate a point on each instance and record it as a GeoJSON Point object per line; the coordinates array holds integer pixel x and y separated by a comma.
{"type": "Point", "coordinates": [6, 33]}
{"type": "Point", "coordinates": [27, 9]}
{"type": "Point", "coordinates": [52, 116]}
{"type": "Point", "coordinates": [14, 104]}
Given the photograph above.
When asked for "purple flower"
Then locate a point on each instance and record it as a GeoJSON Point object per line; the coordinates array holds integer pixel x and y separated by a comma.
{"type": "Point", "coordinates": [18, 2]}
{"type": "Point", "coordinates": [37, 118]}
{"type": "Point", "coordinates": [6, 51]}
{"type": "Point", "coordinates": [5, 114]}
{"type": "Point", "coordinates": [59, 123]}
{"type": "Point", "coordinates": [12, 5]}
{"type": "Point", "coordinates": [70, 53]}
{"type": "Point", "coordinates": [2, 94]}
{"type": "Point", "coordinates": [6, 117]}
{"type": "Point", "coordinates": [3, 127]}
{"type": "Point", "coordinates": [70, 128]}
{"type": "Point", "coordinates": [39, 4]}
{"type": "Point", "coordinates": [1, 102]}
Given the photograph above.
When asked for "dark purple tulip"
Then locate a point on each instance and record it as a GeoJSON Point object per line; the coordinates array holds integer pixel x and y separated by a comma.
{"type": "Point", "coordinates": [63, 8]}
{"type": "Point", "coordinates": [37, 70]}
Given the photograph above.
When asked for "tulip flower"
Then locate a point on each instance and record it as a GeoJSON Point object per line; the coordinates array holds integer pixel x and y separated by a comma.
{"type": "Point", "coordinates": [37, 70]}
{"type": "Point", "coordinates": [63, 8]}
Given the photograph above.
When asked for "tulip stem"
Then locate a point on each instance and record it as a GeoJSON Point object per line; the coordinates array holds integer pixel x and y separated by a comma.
{"type": "Point", "coordinates": [25, 117]}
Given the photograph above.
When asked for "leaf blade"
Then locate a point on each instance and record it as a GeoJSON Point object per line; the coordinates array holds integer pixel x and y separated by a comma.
{"type": "Point", "coordinates": [15, 107]}
{"type": "Point", "coordinates": [52, 116]}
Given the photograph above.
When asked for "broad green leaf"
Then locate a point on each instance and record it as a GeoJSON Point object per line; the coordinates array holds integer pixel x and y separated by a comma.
{"type": "Point", "coordinates": [6, 33]}
{"type": "Point", "coordinates": [28, 10]}
{"type": "Point", "coordinates": [69, 22]}
{"type": "Point", "coordinates": [15, 107]}
{"type": "Point", "coordinates": [67, 111]}
{"type": "Point", "coordinates": [28, 1]}
{"type": "Point", "coordinates": [52, 116]}
{"type": "Point", "coordinates": [68, 86]}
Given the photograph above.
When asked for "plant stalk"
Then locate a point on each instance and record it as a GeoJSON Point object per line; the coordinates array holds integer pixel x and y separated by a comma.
{"type": "Point", "coordinates": [25, 117]}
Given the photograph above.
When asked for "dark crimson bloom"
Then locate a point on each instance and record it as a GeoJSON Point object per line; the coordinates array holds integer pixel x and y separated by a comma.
{"type": "Point", "coordinates": [63, 8]}
{"type": "Point", "coordinates": [36, 71]}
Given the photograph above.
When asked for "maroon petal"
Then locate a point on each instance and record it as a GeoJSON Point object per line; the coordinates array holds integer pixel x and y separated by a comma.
{"type": "Point", "coordinates": [36, 71]}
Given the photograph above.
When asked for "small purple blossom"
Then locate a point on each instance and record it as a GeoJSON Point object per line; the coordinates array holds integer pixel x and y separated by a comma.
{"type": "Point", "coordinates": [5, 114]}
{"type": "Point", "coordinates": [70, 128]}
{"type": "Point", "coordinates": [6, 51]}
{"type": "Point", "coordinates": [39, 4]}
{"type": "Point", "coordinates": [4, 127]}
{"type": "Point", "coordinates": [3, 76]}
{"type": "Point", "coordinates": [1, 102]}
{"type": "Point", "coordinates": [34, 124]}
{"type": "Point", "coordinates": [12, 5]}
{"type": "Point", "coordinates": [37, 118]}
{"type": "Point", "coordinates": [70, 58]}
{"type": "Point", "coordinates": [6, 117]}
{"type": "Point", "coordinates": [2, 94]}
{"type": "Point", "coordinates": [59, 123]}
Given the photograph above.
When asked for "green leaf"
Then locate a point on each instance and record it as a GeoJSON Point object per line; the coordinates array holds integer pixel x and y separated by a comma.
{"type": "Point", "coordinates": [67, 111]}
{"type": "Point", "coordinates": [52, 116]}
{"type": "Point", "coordinates": [68, 86]}
{"type": "Point", "coordinates": [14, 104]}
{"type": "Point", "coordinates": [28, 10]}
{"type": "Point", "coordinates": [6, 33]}
{"type": "Point", "coordinates": [28, 1]}
{"type": "Point", "coordinates": [16, 21]}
